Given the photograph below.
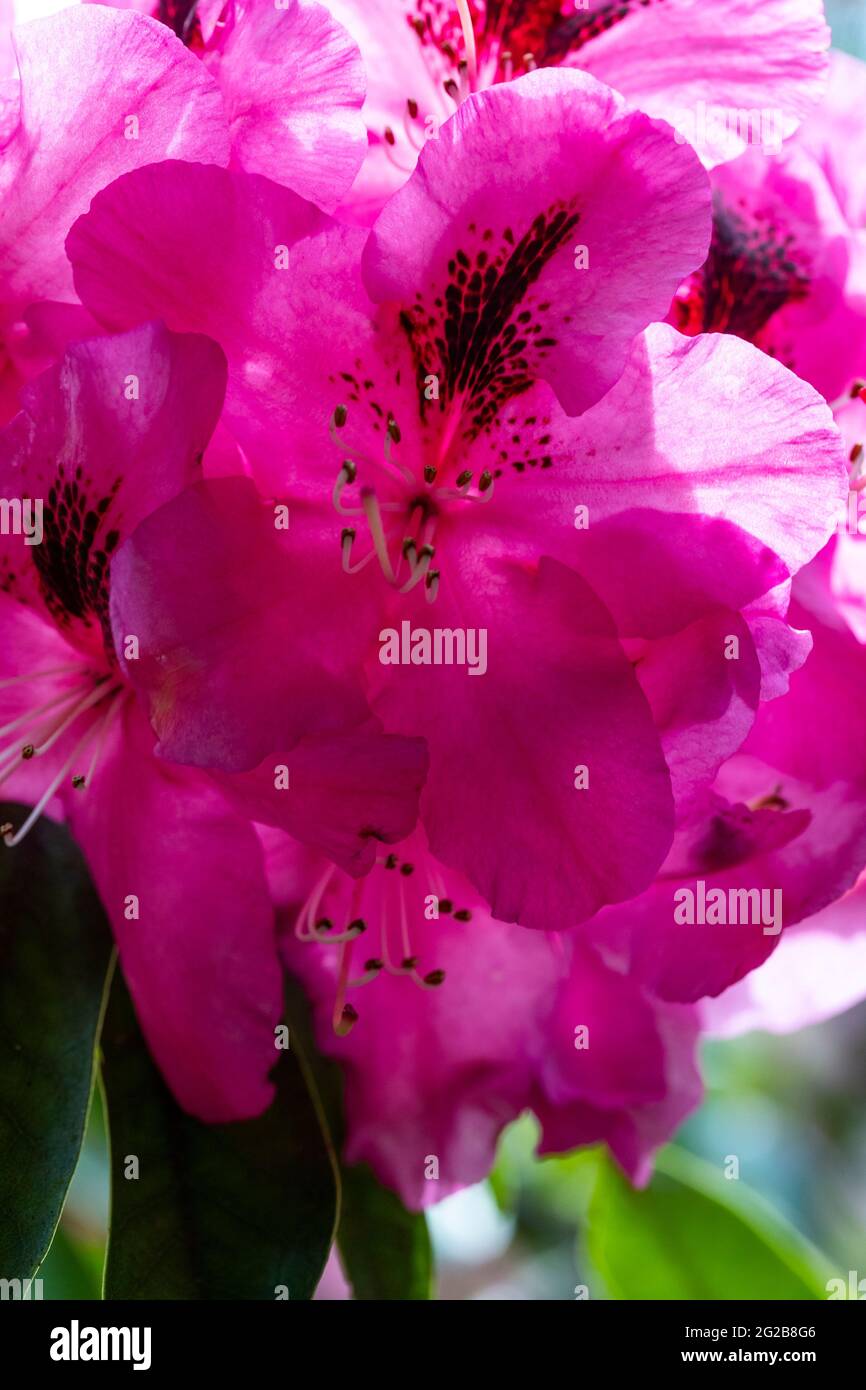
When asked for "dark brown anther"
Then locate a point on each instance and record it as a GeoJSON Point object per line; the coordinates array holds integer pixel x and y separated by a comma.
{"type": "Point", "coordinates": [347, 534]}
{"type": "Point", "coordinates": [348, 1019]}
{"type": "Point", "coordinates": [358, 926]}
{"type": "Point", "coordinates": [389, 136]}
{"type": "Point", "coordinates": [78, 782]}
{"type": "Point", "coordinates": [391, 861]}
{"type": "Point", "coordinates": [324, 924]}
{"type": "Point", "coordinates": [412, 108]}
{"type": "Point", "coordinates": [6, 828]}
{"type": "Point", "coordinates": [446, 905]}
{"type": "Point", "coordinates": [394, 430]}
{"type": "Point", "coordinates": [408, 544]}
{"type": "Point", "coordinates": [409, 963]}
{"type": "Point", "coordinates": [341, 414]}
{"type": "Point", "coordinates": [484, 481]}
{"type": "Point", "coordinates": [434, 977]}
{"type": "Point", "coordinates": [350, 470]}
{"type": "Point", "coordinates": [857, 388]}
{"type": "Point", "coordinates": [856, 454]}
{"type": "Point", "coordinates": [27, 751]}
{"type": "Point", "coordinates": [407, 869]}
{"type": "Point", "coordinates": [374, 964]}
{"type": "Point", "coordinates": [464, 478]}
{"type": "Point", "coordinates": [431, 578]}
{"type": "Point", "coordinates": [464, 915]}
{"type": "Point", "coordinates": [429, 472]}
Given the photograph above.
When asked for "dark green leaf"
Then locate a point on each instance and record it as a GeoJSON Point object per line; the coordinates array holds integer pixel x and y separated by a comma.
{"type": "Point", "coordinates": [55, 948]}
{"type": "Point", "coordinates": [384, 1249]}
{"type": "Point", "coordinates": [240, 1211]}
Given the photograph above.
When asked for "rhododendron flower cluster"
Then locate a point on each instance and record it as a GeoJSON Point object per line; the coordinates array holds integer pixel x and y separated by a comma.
{"type": "Point", "coordinates": [443, 423]}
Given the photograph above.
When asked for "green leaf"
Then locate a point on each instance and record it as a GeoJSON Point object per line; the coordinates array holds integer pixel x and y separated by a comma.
{"type": "Point", "coordinates": [72, 1269]}
{"type": "Point", "coordinates": [692, 1234]}
{"type": "Point", "coordinates": [55, 950]}
{"type": "Point", "coordinates": [237, 1211]}
{"type": "Point", "coordinates": [384, 1248]}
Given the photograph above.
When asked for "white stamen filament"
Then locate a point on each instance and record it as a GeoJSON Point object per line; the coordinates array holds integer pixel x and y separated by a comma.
{"type": "Point", "coordinates": [67, 695]}
{"type": "Point", "coordinates": [38, 675]}
{"type": "Point", "coordinates": [102, 736]}
{"type": "Point", "coordinates": [95, 695]}
{"type": "Point", "coordinates": [468, 39]}
{"type": "Point", "coordinates": [370, 504]}
{"type": "Point", "coordinates": [415, 140]}
{"type": "Point", "coordinates": [310, 908]}
{"type": "Point", "coordinates": [12, 840]}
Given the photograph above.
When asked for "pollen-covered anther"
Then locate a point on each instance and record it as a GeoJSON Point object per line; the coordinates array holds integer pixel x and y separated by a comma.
{"type": "Point", "coordinates": [856, 454]}
{"type": "Point", "coordinates": [346, 1021]}
{"type": "Point", "coordinates": [433, 979]}
{"type": "Point", "coordinates": [391, 861]}
{"type": "Point", "coordinates": [419, 568]}
{"type": "Point", "coordinates": [857, 389]}
{"type": "Point", "coordinates": [446, 906]}
{"type": "Point", "coordinates": [431, 586]}
{"type": "Point", "coordinates": [407, 869]}
{"type": "Point", "coordinates": [409, 963]}
{"type": "Point", "coordinates": [79, 781]}
{"type": "Point", "coordinates": [464, 478]}
{"type": "Point", "coordinates": [27, 751]}
{"type": "Point", "coordinates": [430, 473]}
{"type": "Point", "coordinates": [464, 915]}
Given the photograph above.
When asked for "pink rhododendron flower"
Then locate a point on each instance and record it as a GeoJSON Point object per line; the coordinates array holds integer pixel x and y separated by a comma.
{"type": "Point", "coordinates": [502, 1023]}
{"type": "Point", "coordinates": [786, 269]}
{"type": "Point", "coordinates": [786, 272]}
{"type": "Point", "coordinates": [445, 350]}
{"type": "Point", "coordinates": [723, 72]}
{"type": "Point", "coordinates": [292, 84]}
{"type": "Point", "coordinates": [279, 92]}
{"type": "Point", "coordinates": [117, 429]}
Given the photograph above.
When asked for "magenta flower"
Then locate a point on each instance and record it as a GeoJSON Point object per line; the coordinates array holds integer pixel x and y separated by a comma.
{"type": "Point", "coordinates": [713, 68]}
{"type": "Point", "coordinates": [279, 92]}
{"type": "Point", "coordinates": [117, 429]}
{"type": "Point", "coordinates": [785, 270]}
{"type": "Point", "coordinates": [505, 1020]}
{"type": "Point", "coordinates": [439, 351]}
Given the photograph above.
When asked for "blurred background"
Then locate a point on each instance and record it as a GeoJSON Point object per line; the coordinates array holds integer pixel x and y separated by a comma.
{"type": "Point", "coordinates": [764, 1194]}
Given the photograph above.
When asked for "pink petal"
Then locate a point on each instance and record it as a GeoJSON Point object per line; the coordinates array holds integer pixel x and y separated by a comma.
{"type": "Point", "coordinates": [500, 803]}
{"type": "Point", "coordinates": [200, 958]}
{"type": "Point", "coordinates": [71, 139]}
{"type": "Point", "coordinates": [109, 433]}
{"type": "Point", "coordinates": [685, 58]}
{"type": "Point", "coordinates": [545, 164]}
{"type": "Point", "coordinates": [246, 641]}
{"type": "Point", "coordinates": [292, 83]}
{"type": "Point", "coordinates": [340, 794]}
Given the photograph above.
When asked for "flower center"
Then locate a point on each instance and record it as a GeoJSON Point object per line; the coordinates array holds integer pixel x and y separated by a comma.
{"type": "Point", "coordinates": [82, 713]}
{"type": "Point", "coordinates": [387, 902]}
{"type": "Point", "coordinates": [753, 269]}
{"type": "Point", "coordinates": [399, 511]}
